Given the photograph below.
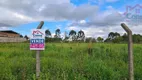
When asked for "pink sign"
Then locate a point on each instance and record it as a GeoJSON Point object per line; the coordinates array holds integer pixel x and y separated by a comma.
{"type": "Point", "coordinates": [37, 41]}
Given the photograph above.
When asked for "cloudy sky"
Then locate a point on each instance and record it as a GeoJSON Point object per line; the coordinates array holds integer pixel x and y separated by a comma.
{"type": "Point", "coordinates": [94, 17]}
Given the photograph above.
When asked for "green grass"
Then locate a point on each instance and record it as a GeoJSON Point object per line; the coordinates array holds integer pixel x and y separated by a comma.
{"type": "Point", "coordinates": [69, 61]}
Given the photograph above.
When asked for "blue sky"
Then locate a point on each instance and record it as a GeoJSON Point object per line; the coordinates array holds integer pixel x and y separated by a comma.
{"type": "Point", "coordinates": [25, 29]}
{"type": "Point", "coordinates": [86, 15]}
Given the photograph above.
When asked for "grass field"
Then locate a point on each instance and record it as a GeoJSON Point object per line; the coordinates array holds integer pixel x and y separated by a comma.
{"type": "Point", "coordinates": [69, 61]}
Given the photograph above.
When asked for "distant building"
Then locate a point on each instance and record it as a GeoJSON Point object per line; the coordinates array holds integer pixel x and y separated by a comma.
{"type": "Point", "coordinates": [11, 36]}
{"type": "Point", "coordinates": [9, 33]}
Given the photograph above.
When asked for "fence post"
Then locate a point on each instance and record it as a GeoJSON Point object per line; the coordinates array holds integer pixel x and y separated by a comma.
{"type": "Point", "coordinates": [90, 50]}
{"type": "Point", "coordinates": [130, 52]}
{"type": "Point", "coordinates": [38, 56]}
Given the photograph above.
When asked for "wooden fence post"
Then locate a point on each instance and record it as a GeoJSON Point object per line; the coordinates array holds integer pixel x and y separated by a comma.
{"type": "Point", "coordinates": [130, 52]}
{"type": "Point", "coordinates": [90, 50]}
{"type": "Point", "coordinates": [38, 56]}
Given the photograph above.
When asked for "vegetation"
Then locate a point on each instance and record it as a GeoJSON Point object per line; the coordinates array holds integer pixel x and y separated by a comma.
{"type": "Point", "coordinates": [48, 33]}
{"type": "Point", "coordinates": [73, 34]}
{"type": "Point", "coordinates": [49, 39]}
{"type": "Point", "coordinates": [69, 61]}
{"type": "Point", "coordinates": [57, 33]}
{"type": "Point", "coordinates": [113, 37]}
{"type": "Point", "coordinates": [81, 35]}
{"type": "Point", "coordinates": [99, 39]}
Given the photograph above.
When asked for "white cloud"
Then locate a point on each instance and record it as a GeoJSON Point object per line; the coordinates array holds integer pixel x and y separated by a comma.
{"type": "Point", "coordinates": [110, 7]}
{"type": "Point", "coordinates": [93, 32]}
{"type": "Point", "coordinates": [16, 12]}
{"type": "Point", "coordinates": [102, 19]}
{"type": "Point", "coordinates": [10, 18]}
{"type": "Point", "coordinates": [111, 0]}
{"type": "Point", "coordinates": [4, 28]}
{"type": "Point", "coordinates": [82, 21]}
{"type": "Point", "coordinates": [101, 2]}
{"type": "Point", "coordinates": [105, 22]}
{"type": "Point", "coordinates": [97, 31]}
{"type": "Point", "coordinates": [72, 28]}
{"type": "Point", "coordinates": [102, 31]}
{"type": "Point", "coordinates": [58, 26]}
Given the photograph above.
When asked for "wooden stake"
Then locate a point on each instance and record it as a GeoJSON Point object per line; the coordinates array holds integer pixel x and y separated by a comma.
{"type": "Point", "coordinates": [130, 52]}
{"type": "Point", "coordinates": [90, 47]}
{"type": "Point", "coordinates": [38, 56]}
{"type": "Point", "coordinates": [37, 64]}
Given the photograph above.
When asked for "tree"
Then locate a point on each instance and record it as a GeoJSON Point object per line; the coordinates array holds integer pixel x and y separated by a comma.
{"type": "Point", "coordinates": [111, 35]}
{"type": "Point", "coordinates": [21, 36]}
{"type": "Point", "coordinates": [117, 38]}
{"type": "Point", "coordinates": [81, 35]}
{"type": "Point", "coordinates": [48, 33]}
{"type": "Point", "coordinates": [108, 40]}
{"type": "Point", "coordinates": [116, 35]}
{"type": "Point", "coordinates": [26, 37]}
{"type": "Point", "coordinates": [72, 34]}
{"type": "Point", "coordinates": [57, 33]}
{"type": "Point", "coordinates": [137, 38]}
{"type": "Point", "coordinates": [99, 39]}
{"type": "Point", "coordinates": [90, 39]}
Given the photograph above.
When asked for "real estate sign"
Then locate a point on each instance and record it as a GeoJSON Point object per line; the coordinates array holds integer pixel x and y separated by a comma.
{"type": "Point", "coordinates": [37, 39]}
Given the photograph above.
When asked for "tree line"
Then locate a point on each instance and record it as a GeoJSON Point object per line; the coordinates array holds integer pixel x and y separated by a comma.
{"type": "Point", "coordinates": [113, 37]}
{"type": "Point", "coordinates": [72, 36]}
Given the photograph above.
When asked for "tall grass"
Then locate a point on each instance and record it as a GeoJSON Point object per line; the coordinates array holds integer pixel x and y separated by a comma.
{"type": "Point", "coordinates": [69, 61]}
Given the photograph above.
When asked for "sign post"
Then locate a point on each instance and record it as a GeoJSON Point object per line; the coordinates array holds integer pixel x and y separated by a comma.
{"type": "Point", "coordinates": [130, 52]}
{"type": "Point", "coordinates": [37, 42]}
